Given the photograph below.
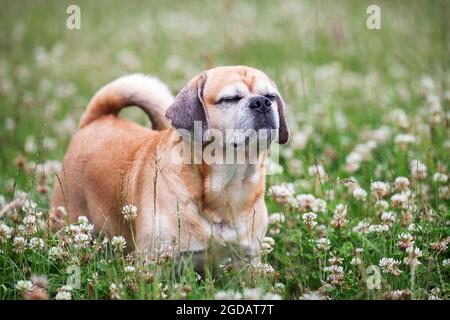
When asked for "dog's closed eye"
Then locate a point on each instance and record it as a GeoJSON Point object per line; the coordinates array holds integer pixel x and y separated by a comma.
{"type": "Point", "coordinates": [231, 99]}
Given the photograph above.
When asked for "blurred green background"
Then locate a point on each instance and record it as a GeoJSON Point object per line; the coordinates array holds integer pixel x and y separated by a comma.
{"type": "Point", "coordinates": [48, 73]}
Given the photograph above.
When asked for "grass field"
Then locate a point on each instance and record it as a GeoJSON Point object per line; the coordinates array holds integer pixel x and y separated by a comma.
{"type": "Point", "coordinates": [360, 209]}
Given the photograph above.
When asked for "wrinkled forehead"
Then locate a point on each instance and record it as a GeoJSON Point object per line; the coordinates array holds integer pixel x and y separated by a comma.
{"type": "Point", "coordinates": [236, 80]}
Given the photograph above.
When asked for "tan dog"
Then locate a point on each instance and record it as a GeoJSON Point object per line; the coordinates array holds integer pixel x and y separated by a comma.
{"type": "Point", "coordinates": [111, 162]}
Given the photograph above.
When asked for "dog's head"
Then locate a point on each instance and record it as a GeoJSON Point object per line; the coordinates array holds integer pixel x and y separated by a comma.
{"type": "Point", "coordinates": [236, 98]}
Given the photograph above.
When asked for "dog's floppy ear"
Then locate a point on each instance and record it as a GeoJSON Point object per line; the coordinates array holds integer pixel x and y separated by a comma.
{"type": "Point", "coordinates": [188, 106]}
{"type": "Point", "coordinates": [283, 131]}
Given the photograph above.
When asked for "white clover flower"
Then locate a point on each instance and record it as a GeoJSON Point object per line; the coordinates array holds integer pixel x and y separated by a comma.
{"type": "Point", "coordinates": [412, 259]}
{"type": "Point", "coordinates": [309, 219]}
{"type": "Point", "coordinates": [316, 295]}
{"type": "Point", "coordinates": [365, 150]}
{"type": "Point", "coordinates": [440, 177]}
{"type": "Point", "coordinates": [251, 294]}
{"type": "Point", "coordinates": [398, 294]}
{"type": "Point", "coordinates": [267, 245]}
{"type": "Point", "coordinates": [29, 229]}
{"type": "Point", "coordinates": [55, 253]}
{"type": "Point", "coordinates": [29, 206]}
{"type": "Point", "coordinates": [29, 220]}
{"type": "Point", "coordinates": [354, 158]}
{"type": "Point", "coordinates": [378, 228]}
{"type": "Point", "coordinates": [322, 230]}
{"type": "Point", "coordinates": [401, 200]}
{"type": "Point", "coordinates": [434, 294]}
{"type": "Point", "coordinates": [81, 240]}
{"type": "Point", "coordinates": [114, 291]}
{"type": "Point", "coordinates": [362, 227]}
{"type": "Point", "coordinates": [336, 260]}
{"type": "Point", "coordinates": [381, 135]}
{"type": "Point", "coordinates": [130, 269]}
{"type": "Point", "coordinates": [371, 144]}
{"type": "Point", "coordinates": [305, 201]}
{"type": "Point", "coordinates": [83, 220]}
{"type": "Point", "coordinates": [380, 189]}
{"type": "Point", "coordinates": [356, 261]}
{"type": "Point", "coordinates": [440, 246]}
{"type": "Point", "coordinates": [291, 202]}
{"type": "Point", "coordinates": [388, 218]}
{"type": "Point", "coordinates": [118, 242]}
{"type": "Point", "coordinates": [323, 244]}
{"type": "Point", "coordinates": [228, 295]}
{"type": "Point", "coordinates": [446, 263]}
{"type": "Point", "coordinates": [340, 209]}
{"type": "Point", "coordinates": [279, 287]}
{"type": "Point", "coordinates": [19, 244]}
{"type": "Point", "coordinates": [264, 269]}
{"type": "Point", "coordinates": [334, 268]}
{"type": "Point", "coordinates": [10, 124]}
{"type": "Point", "coordinates": [319, 206]}
{"type": "Point", "coordinates": [283, 193]}
{"type": "Point", "coordinates": [340, 216]}
{"type": "Point", "coordinates": [390, 265]}
{"type": "Point", "coordinates": [382, 205]}
{"type": "Point", "coordinates": [359, 194]}
{"type": "Point", "coordinates": [403, 140]}
{"type": "Point", "coordinates": [164, 252]}
{"type": "Point", "coordinates": [86, 228]}
{"type": "Point", "coordinates": [418, 169]}
{"type": "Point", "coordinates": [66, 288]}
{"type": "Point", "coordinates": [405, 241]}
{"type": "Point", "coordinates": [63, 295]}
{"type": "Point", "coordinates": [427, 84]}
{"type": "Point", "coordinates": [444, 193]}
{"type": "Point", "coordinates": [36, 243]}
{"type": "Point", "coordinates": [399, 117]}
{"type": "Point", "coordinates": [129, 212]}
{"type": "Point", "coordinates": [276, 218]}
{"type": "Point", "coordinates": [5, 232]}
{"type": "Point", "coordinates": [353, 162]}
{"type": "Point", "coordinates": [401, 183]}
{"type": "Point", "coordinates": [351, 183]}
{"type": "Point", "coordinates": [72, 230]}
{"type": "Point", "coordinates": [24, 285]}
{"type": "Point", "coordinates": [337, 274]}
{"type": "Point", "coordinates": [39, 214]}
{"type": "Point", "coordinates": [271, 296]}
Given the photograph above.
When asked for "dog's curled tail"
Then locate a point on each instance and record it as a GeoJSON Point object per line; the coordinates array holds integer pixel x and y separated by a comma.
{"type": "Point", "coordinates": [148, 93]}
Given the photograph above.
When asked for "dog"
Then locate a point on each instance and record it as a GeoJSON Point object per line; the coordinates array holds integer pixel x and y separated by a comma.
{"type": "Point", "coordinates": [112, 161]}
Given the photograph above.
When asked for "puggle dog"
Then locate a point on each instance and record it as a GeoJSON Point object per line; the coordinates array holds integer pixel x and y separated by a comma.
{"type": "Point", "coordinates": [192, 207]}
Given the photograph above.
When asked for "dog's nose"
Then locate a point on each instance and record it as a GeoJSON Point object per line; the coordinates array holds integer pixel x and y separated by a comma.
{"type": "Point", "coordinates": [260, 104]}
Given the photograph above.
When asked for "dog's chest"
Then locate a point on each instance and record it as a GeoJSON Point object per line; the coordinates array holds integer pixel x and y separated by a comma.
{"type": "Point", "coordinates": [228, 191]}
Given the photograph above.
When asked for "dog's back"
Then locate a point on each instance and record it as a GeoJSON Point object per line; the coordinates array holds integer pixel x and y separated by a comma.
{"type": "Point", "coordinates": [85, 180]}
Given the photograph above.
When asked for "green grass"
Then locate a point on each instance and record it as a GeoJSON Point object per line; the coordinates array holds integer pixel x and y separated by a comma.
{"type": "Point", "coordinates": [339, 79]}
